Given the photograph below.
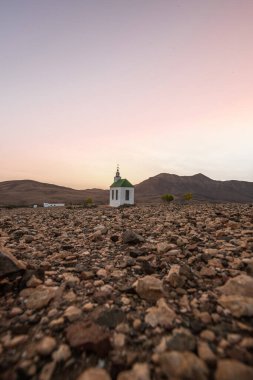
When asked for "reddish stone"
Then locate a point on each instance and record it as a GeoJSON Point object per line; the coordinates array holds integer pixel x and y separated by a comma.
{"type": "Point", "coordinates": [9, 264]}
{"type": "Point", "coordinates": [89, 336]}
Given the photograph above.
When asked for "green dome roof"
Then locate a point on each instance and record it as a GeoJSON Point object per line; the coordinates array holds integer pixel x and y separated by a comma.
{"type": "Point", "coordinates": [122, 183]}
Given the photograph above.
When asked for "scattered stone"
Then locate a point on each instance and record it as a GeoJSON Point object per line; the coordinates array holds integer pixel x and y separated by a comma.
{"type": "Point", "coordinates": [69, 296]}
{"type": "Point", "coordinates": [9, 264]}
{"type": "Point", "coordinates": [70, 279]}
{"type": "Point", "coordinates": [161, 315]}
{"type": "Point", "coordinates": [119, 340]}
{"type": "Point", "coordinates": [247, 342]}
{"type": "Point", "coordinates": [208, 335]}
{"type": "Point", "coordinates": [208, 272]}
{"type": "Point", "coordinates": [39, 297]}
{"type": "Point", "coordinates": [163, 247]}
{"type": "Point", "coordinates": [15, 311]}
{"type": "Point", "coordinates": [131, 237]}
{"type": "Point", "coordinates": [46, 346]}
{"type": "Point", "coordinates": [140, 371]}
{"type": "Point", "coordinates": [241, 285]}
{"type": "Point", "coordinates": [205, 353]}
{"type": "Point", "coordinates": [56, 324]}
{"type": "Point", "coordinates": [183, 365]}
{"type": "Point", "coordinates": [96, 236]}
{"type": "Point", "coordinates": [101, 273]}
{"type": "Point", "coordinates": [16, 341]}
{"type": "Point", "coordinates": [238, 305]}
{"type": "Point", "coordinates": [94, 374]}
{"type": "Point", "coordinates": [149, 288]}
{"type": "Point", "coordinates": [110, 318]}
{"type": "Point", "coordinates": [175, 279]}
{"type": "Point", "coordinates": [88, 306]}
{"type": "Point", "coordinates": [27, 367]}
{"type": "Point", "coordinates": [47, 371]}
{"type": "Point", "coordinates": [33, 282]}
{"type": "Point", "coordinates": [182, 289]}
{"type": "Point", "coordinates": [249, 266]}
{"type": "Point", "coordinates": [63, 353]}
{"type": "Point", "coordinates": [72, 313]}
{"type": "Point", "coordinates": [233, 370]}
{"type": "Point", "coordinates": [89, 336]}
{"type": "Point", "coordinates": [114, 238]}
{"type": "Point", "coordinates": [181, 340]}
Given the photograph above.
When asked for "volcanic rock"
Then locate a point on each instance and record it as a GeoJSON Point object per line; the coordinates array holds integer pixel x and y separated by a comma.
{"type": "Point", "coordinates": [149, 288]}
{"type": "Point", "coordinates": [110, 318]}
{"type": "Point", "coordinates": [89, 336]}
{"type": "Point", "coordinates": [174, 277]}
{"type": "Point", "coordinates": [46, 346]}
{"type": "Point", "coordinates": [9, 264]}
{"type": "Point", "coordinates": [72, 313]}
{"type": "Point", "coordinates": [161, 315]}
{"type": "Point", "coordinates": [183, 365]}
{"type": "Point", "coordinates": [241, 285]}
{"type": "Point", "coordinates": [63, 353]}
{"type": "Point", "coordinates": [47, 371]}
{"type": "Point", "coordinates": [181, 340]}
{"type": "Point", "coordinates": [94, 374]}
{"type": "Point", "coordinates": [238, 295]}
{"type": "Point", "coordinates": [37, 298]}
{"type": "Point", "coordinates": [233, 370]}
{"type": "Point", "coordinates": [238, 305]}
{"type": "Point", "coordinates": [140, 371]}
{"type": "Point", "coordinates": [205, 353]}
{"type": "Point", "coordinates": [131, 237]}
{"type": "Point", "coordinates": [108, 304]}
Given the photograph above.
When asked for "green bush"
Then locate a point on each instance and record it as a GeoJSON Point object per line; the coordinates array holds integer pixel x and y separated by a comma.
{"type": "Point", "coordinates": [167, 198]}
{"type": "Point", "coordinates": [88, 201]}
{"type": "Point", "coordinates": [187, 196]}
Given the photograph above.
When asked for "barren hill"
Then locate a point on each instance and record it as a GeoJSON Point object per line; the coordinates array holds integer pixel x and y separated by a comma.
{"type": "Point", "coordinates": [28, 192]}
{"type": "Point", "coordinates": [202, 187]}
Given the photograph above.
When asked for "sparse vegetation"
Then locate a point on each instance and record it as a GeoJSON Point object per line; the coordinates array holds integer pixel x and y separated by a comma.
{"type": "Point", "coordinates": [167, 198]}
{"type": "Point", "coordinates": [88, 201]}
{"type": "Point", "coordinates": [187, 196]}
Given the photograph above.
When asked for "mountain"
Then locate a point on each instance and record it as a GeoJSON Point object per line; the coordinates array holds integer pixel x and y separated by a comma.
{"type": "Point", "coordinates": [28, 192]}
{"type": "Point", "coordinates": [202, 188]}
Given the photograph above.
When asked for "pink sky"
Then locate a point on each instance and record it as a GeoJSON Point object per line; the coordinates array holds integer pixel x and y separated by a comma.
{"type": "Point", "coordinates": [154, 86]}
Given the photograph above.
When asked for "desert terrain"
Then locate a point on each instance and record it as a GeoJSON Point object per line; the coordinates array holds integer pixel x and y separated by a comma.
{"type": "Point", "coordinates": [148, 292]}
{"type": "Point", "coordinates": [28, 192]}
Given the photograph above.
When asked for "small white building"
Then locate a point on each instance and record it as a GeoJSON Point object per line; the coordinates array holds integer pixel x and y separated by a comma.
{"type": "Point", "coordinates": [53, 204]}
{"type": "Point", "coordinates": [121, 192]}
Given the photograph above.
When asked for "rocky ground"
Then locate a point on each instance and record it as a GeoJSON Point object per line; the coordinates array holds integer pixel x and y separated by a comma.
{"type": "Point", "coordinates": [141, 293]}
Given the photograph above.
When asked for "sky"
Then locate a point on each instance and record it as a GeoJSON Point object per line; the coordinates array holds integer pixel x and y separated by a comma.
{"type": "Point", "coordinates": [156, 86]}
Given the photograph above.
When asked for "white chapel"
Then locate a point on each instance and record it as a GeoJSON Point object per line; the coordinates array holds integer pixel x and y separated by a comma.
{"type": "Point", "coordinates": [121, 191]}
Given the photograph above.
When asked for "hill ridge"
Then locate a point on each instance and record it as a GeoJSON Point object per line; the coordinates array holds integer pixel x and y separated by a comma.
{"type": "Point", "coordinates": [28, 192]}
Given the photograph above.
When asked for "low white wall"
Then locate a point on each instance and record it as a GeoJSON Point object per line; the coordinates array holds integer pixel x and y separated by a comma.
{"type": "Point", "coordinates": [53, 204]}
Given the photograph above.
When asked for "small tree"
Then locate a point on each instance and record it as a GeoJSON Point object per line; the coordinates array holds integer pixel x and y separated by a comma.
{"type": "Point", "coordinates": [88, 202]}
{"type": "Point", "coordinates": [167, 198]}
{"type": "Point", "coordinates": [187, 196]}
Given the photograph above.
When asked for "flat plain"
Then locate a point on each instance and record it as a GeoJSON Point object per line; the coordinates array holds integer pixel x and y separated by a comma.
{"type": "Point", "coordinates": [140, 293]}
